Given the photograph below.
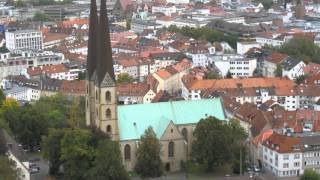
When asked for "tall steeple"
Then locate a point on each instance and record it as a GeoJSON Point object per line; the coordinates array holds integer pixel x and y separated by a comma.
{"type": "Point", "coordinates": [92, 42]}
{"type": "Point", "coordinates": [105, 63]}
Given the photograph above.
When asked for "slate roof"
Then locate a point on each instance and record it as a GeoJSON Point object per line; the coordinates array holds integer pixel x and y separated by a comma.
{"type": "Point", "coordinates": [133, 119]}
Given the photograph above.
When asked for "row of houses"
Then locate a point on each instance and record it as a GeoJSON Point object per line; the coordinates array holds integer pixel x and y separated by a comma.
{"type": "Point", "coordinates": [254, 90]}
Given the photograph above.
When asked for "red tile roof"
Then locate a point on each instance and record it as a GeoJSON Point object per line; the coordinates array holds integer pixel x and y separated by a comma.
{"type": "Point", "coordinates": [59, 68]}
{"type": "Point", "coordinates": [283, 144]}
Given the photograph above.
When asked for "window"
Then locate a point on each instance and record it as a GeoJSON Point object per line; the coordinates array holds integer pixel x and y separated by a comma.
{"type": "Point", "coordinates": [185, 134]}
{"type": "Point", "coordinates": [108, 113]}
{"type": "Point", "coordinates": [171, 149]}
{"type": "Point", "coordinates": [108, 96]}
{"type": "Point", "coordinates": [286, 157]}
{"type": "Point", "coordinates": [127, 152]}
{"type": "Point", "coordinates": [286, 165]}
{"type": "Point", "coordinates": [109, 129]}
{"type": "Point", "coordinates": [296, 156]}
{"type": "Point", "coordinates": [296, 164]}
{"type": "Point", "coordinates": [96, 95]}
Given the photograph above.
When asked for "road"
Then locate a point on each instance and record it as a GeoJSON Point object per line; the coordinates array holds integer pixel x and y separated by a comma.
{"type": "Point", "coordinates": [44, 167]}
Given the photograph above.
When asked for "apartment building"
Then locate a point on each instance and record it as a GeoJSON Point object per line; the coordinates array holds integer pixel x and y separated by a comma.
{"type": "Point", "coordinates": [282, 155]}
{"type": "Point", "coordinates": [238, 66]}
{"type": "Point", "coordinates": [24, 39]}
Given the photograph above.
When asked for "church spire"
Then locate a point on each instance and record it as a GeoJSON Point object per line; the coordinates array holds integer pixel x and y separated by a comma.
{"type": "Point", "coordinates": [92, 42]}
{"type": "Point", "coordinates": [105, 63]}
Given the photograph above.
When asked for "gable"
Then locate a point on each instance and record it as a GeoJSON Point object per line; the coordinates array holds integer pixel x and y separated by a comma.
{"type": "Point", "coordinates": [171, 132]}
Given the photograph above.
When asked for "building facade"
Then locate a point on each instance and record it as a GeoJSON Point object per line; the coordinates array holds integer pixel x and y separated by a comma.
{"type": "Point", "coordinates": [24, 39]}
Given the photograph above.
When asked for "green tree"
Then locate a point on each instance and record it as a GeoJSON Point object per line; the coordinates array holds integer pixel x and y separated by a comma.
{"type": "Point", "coordinates": [74, 118]}
{"type": "Point", "coordinates": [278, 71]}
{"type": "Point", "coordinates": [128, 24]}
{"type": "Point", "coordinates": [302, 48]}
{"type": "Point", "coordinates": [107, 164]}
{"type": "Point", "coordinates": [81, 76]}
{"type": "Point", "coordinates": [31, 127]}
{"type": "Point", "coordinates": [149, 163]}
{"type": "Point", "coordinates": [212, 144]}
{"type": "Point", "coordinates": [124, 78]}
{"type": "Point", "coordinates": [213, 75]}
{"type": "Point", "coordinates": [300, 79]}
{"type": "Point", "coordinates": [228, 75]}
{"type": "Point", "coordinates": [2, 97]}
{"type": "Point", "coordinates": [3, 145]}
{"type": "Point", "coordinates": [310, 175]}
{"type": "Point", "coordinates": [51, 149]}
{"type": "Point", "coordinates": [39, 16]}
{"type": "Point", "coordinates": [7, 171]}
{"type": "Point", "coordinates": [76, 154]}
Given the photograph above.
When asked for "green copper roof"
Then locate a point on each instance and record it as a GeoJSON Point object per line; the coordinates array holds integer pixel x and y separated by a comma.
{"type": "Point", "coordinates": [135, 119]}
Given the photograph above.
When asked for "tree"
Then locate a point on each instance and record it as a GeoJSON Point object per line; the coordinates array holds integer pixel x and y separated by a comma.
{"type": "Point", "coordinates": [300, 79]}
{"type": "Point", "coordinates": [149, 163]}
{"type": "Point", "coordinates": [310, 175]}
{"type": "Point", "coordinates": [74, 118]}
{"type": "Point", "coordinates": [7, 171]}
{"type": "Point", "coordinates": [2, 97]}
{"type": "Point", "coordinates": [128, 24]}
{"type": "Point", "coordinates": [302, 48]}
{"type": "Point", "coordinates": [278, 71]}
{"type": "Point", "coordinates": [39, 16]}
{"type": "Point", "coordinates": [213, 75]}
{"type": "Point", "coordinates": [51, 148]}
{"type": "Point", "coordinates": [228, 75]}
{"type": "Point", "coordinates": [212, 144]}
{"type": "Point", "coordinates": [107, 164]}
{"type": "Point", "coordinates": [76, 154]}
{"type": "Point", "coordinates": [31, 127]}
{"type": "Point", "coordinates": [124, 78]}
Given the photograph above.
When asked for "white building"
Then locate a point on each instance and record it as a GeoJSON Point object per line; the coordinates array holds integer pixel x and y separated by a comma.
{"type": "Point", "coordinates": [282, 155]}
{"type": "Point", "coordinates": [243, 47]}
{"type": "Point", "coordinates": [24, 39]}
{"type": "Point", "coordinates": [178, 1]}
{"type": "Point", "coordinates": [199, 54]}
{"type": "Point", "coordinates": [237, 65]}
{"type": "Point", "coordinates": [22, 93]}
{"type": "Point", "coordinates": [275, 40]}
{"type": "Point", "coordinates": [292, 68]}
{"type": "Point", "coordinates": [166, 10]}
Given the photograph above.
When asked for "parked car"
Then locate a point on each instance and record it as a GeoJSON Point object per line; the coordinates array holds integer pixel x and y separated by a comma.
{"type": "Point", "coordinates": [256, 169]}
{"type": "Point", "coordinates": [34, 170]}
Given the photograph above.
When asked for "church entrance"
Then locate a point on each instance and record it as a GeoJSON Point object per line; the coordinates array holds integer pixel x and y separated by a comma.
{"type": "Point", "coordinates": [167, 167]}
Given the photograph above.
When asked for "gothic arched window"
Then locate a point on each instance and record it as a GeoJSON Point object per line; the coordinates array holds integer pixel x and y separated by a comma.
{"type": "Point", "coordinates": [171, 149]}
{"type": "Point", "coordinates": [108, 113]}
{"type": "Point", "coordinates": [109, 129]}
{"type": "Point", "coordinates": [185, 134]}
{"type": "Point", "coordinates": [127, 152]}
{"type": "Point", "coordinates": [108, 96]}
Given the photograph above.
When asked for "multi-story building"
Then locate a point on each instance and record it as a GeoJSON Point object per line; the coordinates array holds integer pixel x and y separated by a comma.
{"type": "Point", "coordinates": [254, 90]}
{"type": "Point", "coordinates": [138, 26]}
{"type": "Point", "coordinates": [18, 65]}
{"type": "Point", "coordinates": [24, 39]}
{"type": "Point", "coordinates": [311, 152]}
{"type": "Point", "coordinates": [282, 155]}
{"type": "Point", "coordinates": [291, 67]}
{"type": "Point", "coordinates": [166, 10]}
{"type": "Point", "coordinates": [238, 66]}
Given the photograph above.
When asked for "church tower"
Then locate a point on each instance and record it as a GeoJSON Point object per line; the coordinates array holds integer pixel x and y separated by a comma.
{"type": "Point", "coordinates": [101, 110]}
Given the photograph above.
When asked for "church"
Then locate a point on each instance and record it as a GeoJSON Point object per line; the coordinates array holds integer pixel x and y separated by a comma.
{"type": "Point", "coordinates": [173, 122]}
